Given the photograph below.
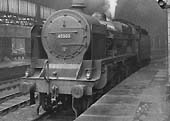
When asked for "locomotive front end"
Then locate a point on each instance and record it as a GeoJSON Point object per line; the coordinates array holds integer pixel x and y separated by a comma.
{"type": "Point", "coordinates": [66, 37]}
{"type": "Point", "coordinates": [68, 69]}
{"type": "Point", "coordinates": [67, 54]}
{"type": "Point", "coordinates": [76, 58]}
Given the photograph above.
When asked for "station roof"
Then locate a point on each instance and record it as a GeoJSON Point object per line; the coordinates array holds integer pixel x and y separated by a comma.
{"type": "Point", "coordinates": [56, 4]}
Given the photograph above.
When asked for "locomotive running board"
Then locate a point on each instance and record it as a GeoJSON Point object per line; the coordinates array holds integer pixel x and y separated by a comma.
{"type": "Point", "coordinates": [116, 59]}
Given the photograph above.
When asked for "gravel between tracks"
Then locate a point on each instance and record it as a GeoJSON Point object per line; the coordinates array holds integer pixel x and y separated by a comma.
{"type": "Point", "coordinates": [29, 113]}
{"type": "Point", "coordinates": [23, 114]}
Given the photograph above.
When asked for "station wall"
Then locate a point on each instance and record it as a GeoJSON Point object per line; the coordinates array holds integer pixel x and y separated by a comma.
{"type": "Point", "coordinates": [24, 8]}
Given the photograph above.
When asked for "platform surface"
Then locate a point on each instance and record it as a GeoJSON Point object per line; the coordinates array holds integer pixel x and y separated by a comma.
{"type": "Point", "coordinates": [11, 64]}
{"type": "Point", "coordinates": [144, 96]}
{"type": "Point", "coordinates": [13, 69]}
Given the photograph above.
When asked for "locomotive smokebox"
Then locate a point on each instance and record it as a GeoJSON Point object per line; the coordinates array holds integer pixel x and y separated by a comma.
{"type": "Point", "coordinates": [79, 4]}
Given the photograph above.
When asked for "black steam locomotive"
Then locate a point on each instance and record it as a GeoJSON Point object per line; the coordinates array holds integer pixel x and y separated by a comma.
{"type": "Point", "coordinates": [77, 57]}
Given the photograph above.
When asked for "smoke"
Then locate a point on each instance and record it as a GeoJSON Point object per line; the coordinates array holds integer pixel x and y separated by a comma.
{"type": "Point", "coordinates": [95, 6]}
{"type": "Point", "coordinates": [104, 6]}
{"type": "Point", "coordinates": [148, 15]}
{"type": "Point", "coordinates": [110, 12]}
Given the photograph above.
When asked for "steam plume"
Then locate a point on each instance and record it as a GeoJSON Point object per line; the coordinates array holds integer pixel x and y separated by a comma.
{"type": "Point", "coordinates": [112, 8]}
{"type": "Point", "coordinates": [105, 6]}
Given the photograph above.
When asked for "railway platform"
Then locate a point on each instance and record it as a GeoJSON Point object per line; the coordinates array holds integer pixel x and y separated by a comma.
{"type": "Point", "coordinates": [12, 69]}
{"type": "Point", "coordinates": [143, 96]}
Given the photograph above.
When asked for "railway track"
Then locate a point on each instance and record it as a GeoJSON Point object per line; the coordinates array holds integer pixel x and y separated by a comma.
{"type": "Point", "coordinates": [54, 117]}
{"type": "Point", "coordinates": [41, 116]}
{"type": "Point", "coordinates": [13, 104]}
{"type": "Point", "coordinates": [11, 97]}
{"type": "Point", "coordinates": [9, 89]}
{"type": "Point", "coordinates": [28, 113]}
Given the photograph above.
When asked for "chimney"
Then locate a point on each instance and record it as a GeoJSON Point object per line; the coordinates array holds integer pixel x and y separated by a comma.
{"type": "Point", "coordinates": [78, 4]}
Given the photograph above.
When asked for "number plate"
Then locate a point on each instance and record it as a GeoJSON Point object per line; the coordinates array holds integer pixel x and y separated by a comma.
{"type": "Point", "coordinates": [64, 36]}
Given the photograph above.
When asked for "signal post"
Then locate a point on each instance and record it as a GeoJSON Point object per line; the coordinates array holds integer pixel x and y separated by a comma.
{"type": "Point", "coordinates": [168, 14]}
{"type": "Point", "coordinates": [165, 4]}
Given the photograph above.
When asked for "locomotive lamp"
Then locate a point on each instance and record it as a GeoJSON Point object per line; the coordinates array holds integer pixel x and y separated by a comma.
{"type": "Point", "coordinates": [28, 72]}
{"type": "Point", "coordinates": [88, 74]}
{"type": "Point", "coordinates": [163, 4]}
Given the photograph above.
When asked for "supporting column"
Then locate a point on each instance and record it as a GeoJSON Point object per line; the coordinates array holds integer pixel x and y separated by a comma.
{"type": "Point", "coordinates": [168, 12]}
{"type": "Point", "coordinates": [38, 12]}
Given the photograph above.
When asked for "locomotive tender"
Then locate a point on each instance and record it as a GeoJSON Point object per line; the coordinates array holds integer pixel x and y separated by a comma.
{"type": "Point", "coordinates": [76, 56]}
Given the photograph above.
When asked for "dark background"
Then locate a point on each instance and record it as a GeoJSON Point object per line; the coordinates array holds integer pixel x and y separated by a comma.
{"type": "Point", "coordinates": [147, 14]}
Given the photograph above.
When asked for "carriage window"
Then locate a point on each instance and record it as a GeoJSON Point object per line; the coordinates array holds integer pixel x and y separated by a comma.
{"type": "Point", "coordinates": [18, 47]}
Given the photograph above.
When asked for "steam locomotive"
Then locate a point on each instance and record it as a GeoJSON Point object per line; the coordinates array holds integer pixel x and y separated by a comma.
{"type": "Point", "coordinates": [77, 57]}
